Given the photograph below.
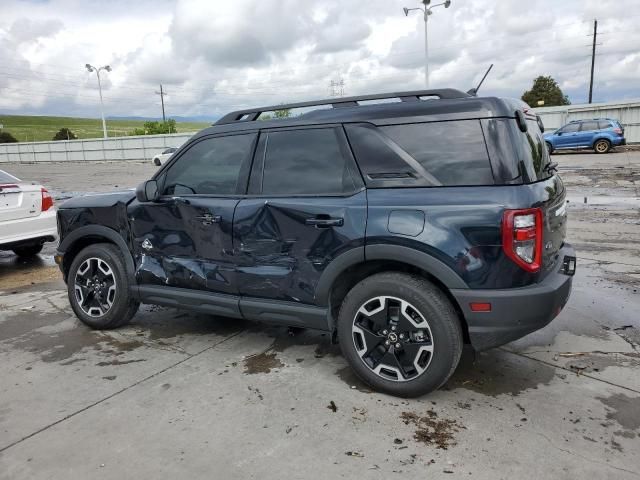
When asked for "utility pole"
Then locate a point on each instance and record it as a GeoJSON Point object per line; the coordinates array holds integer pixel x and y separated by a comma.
{"type": "Point", "coordinates": [162, 93]}
{"type": "Point", "coordinates": [593, 58]}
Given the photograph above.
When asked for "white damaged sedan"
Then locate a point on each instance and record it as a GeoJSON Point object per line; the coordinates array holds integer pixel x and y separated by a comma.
{"type": "Point", "coordinates": [27, 216]}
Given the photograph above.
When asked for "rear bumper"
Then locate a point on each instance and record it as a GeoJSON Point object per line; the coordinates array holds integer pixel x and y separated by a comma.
{"type": "Point", "coordinates": [516, 312]}
{"type": "Point", "coordinates": [31, 229]}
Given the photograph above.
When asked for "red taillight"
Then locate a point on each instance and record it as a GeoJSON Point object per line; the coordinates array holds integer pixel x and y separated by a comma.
{"type": "Point", "coordinates": [480, 306]}
{"type": "Point", "coordinates": [618, 131]}
{"type": "Point", "coordinates": [47, 200]}
{"type": "Point", "coordinates": [522, 237]}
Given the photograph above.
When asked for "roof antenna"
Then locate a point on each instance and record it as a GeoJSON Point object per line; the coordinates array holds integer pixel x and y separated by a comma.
{"type": "Point", "coordinates": [474, 91]}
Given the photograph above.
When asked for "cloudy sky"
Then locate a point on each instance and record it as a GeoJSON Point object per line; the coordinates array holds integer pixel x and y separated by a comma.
{"type": "Point", "coordinates": [217, 55]}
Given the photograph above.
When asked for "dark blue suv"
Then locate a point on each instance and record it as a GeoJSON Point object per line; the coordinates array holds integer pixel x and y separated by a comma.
{"type": "Point", "coordinates": [406, 229]}
{"type": "Point", "coordinates": [600, 134]}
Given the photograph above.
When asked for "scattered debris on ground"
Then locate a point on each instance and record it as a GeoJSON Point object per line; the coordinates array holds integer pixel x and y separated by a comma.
{"type": "Point", "coordinates": [354, 454]}
{"type": "Point", "coordinates": [332, 406]}
{"type": "Point", "coordinates": [432, 431]}
{"type": "Point", "coordinates": [256, 391]}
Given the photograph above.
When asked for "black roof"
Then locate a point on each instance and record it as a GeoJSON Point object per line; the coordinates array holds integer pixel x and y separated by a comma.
{"type": "Point", "coordinates": [412, 106]}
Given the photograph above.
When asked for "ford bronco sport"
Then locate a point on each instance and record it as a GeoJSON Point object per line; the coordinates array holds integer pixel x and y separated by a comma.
{"type": "Point", "coordinates": [405, 224]}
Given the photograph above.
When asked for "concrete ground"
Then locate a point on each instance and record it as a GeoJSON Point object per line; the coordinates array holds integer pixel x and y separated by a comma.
{"type": "Point", "coordinates": [185, 395]}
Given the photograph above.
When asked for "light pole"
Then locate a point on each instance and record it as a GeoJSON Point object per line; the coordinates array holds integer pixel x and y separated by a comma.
{"type": "Point", "coordinates": [106, 68]}
{"type": "Point", "coordinates": [426, 10]}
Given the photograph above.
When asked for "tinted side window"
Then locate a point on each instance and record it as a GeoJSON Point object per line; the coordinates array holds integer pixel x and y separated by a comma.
{"type": "Point", "coordinates": [211, 166]}
{"type": "Point", "coordinates": [588, 126]}
{"type": "Point", "coordinates": [572, 127]}
{"type": "Point", "coordinates": [602, 124]}
{"type": "Point", "coordinates": [383, 163]}
{"type": "Point", "coordinates": [307, 161]}
{"type": "Point", "coordinates": [533, 152]}
{"type": "Point", "coordinates": [453, 152]}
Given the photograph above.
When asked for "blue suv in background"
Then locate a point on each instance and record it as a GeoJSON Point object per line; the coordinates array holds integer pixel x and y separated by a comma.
{"type": "Point", "coordinates": [600, 134]}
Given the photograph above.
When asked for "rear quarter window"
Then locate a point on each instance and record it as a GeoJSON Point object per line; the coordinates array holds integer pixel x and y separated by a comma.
{"type": "Point", "coordinates": [454, 152]}
{"type": "Point", "coordinates": [423, 154]}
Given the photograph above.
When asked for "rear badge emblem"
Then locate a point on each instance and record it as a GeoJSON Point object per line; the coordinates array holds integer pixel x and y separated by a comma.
{"type": "Point", "coordinates": [147, 244]}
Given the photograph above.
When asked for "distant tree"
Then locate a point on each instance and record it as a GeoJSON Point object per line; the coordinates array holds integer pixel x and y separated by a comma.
{"type": "Point", "coordinates": [6, 137]}
{"type": "Point", "coordinates": [547, 90]}
{"type": "Point", "coordinates": [284, 113]}
{"type": "Point", "coordinates": [156, 128]}
{"type": "Point", "coordinates": [65, 134]}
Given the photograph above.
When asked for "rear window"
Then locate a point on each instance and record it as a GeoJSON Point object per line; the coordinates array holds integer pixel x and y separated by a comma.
{"type": "Point", "coordinates": [590, 125]}
{"type": "Point", "coordinates": [422, 154]}
{"type": "Point", "coordinates": [6, 178]}
{"type": "Point", "coordinates": [533, 152]}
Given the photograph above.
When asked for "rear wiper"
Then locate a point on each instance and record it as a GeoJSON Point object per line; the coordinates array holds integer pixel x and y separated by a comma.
{"type": "Point", "coordinates": [551, 167]}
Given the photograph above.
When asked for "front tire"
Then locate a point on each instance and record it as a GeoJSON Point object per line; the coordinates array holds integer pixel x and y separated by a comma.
{"type": "Point", "coordinates": [400, 334]}
{"type": "Point", "coordinates": [98, 287]}
{"type": "Point", "coordinates": [602, 146]}
{"type": "Point", "coordinates": [28, 250]}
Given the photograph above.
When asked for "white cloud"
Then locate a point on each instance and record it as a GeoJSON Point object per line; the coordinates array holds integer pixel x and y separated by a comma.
{"type": "Point", "coordinates": [215, 55]}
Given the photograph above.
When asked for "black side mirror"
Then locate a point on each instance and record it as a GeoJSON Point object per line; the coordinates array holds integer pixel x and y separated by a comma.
{"type": "Point", "coordinates": [147, 191]}
{"type": "Point", "coordinates": [521, 121]}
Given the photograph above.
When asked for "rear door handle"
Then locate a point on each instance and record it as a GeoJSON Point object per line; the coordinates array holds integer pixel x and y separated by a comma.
{"type": "Point", "coordinates": [324, 222]}
{"type": "Point", "coordinates": [208, 218]}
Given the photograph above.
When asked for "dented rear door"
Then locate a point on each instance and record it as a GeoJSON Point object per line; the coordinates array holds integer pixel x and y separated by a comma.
{"type": "Point", "coordinates": [306, 206]}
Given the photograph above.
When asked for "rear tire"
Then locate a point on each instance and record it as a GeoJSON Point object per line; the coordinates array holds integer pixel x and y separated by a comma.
{"type": "Point", "coordinates": [98, 287]}
{"type": "Point", "coordinates": [602, 146]}
{"type": "Point", "coordinates": [423, 341]}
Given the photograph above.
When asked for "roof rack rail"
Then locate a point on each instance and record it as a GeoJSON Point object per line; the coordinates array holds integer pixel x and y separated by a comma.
{"type": "Point", "coordinates": [252, 114]}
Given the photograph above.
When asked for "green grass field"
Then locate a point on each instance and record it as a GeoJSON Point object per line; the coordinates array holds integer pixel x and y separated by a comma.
{"type": "Point", "coordinates": [39, 129]}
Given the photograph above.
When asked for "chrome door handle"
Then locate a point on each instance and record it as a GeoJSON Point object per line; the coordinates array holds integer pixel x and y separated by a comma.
{"type": "Point", "coordinates": [208, 218]}
{"type": "Point", "coordinates": [321, 222]}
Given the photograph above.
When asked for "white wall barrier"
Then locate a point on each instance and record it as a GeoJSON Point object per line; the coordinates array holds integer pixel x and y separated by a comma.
{"type": "Point", "coordinates": [142, 147]}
